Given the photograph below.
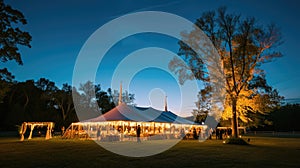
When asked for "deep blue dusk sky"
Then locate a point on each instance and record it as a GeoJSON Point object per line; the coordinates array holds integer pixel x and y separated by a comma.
{"type": "Point", "coordinates": [60, 28]}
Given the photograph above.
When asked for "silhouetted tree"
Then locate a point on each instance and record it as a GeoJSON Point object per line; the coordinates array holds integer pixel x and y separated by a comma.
{"type": "Point", "coordinates": [104, 99]}
{"type": "Point", "coordinates": [10, 37]}
{"type": "Point", "coordinates": [64, 103]}
{"type": "Point", "coordinates": [42, 100]}
{"type": "Point", "coordinates": [26, 103]}
{"type": "Point", "coordinates": [31, 101]}
{"type": "Point", "coordinates": [46, 85]}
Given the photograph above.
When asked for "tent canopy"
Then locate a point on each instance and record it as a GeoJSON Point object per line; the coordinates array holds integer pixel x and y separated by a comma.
{"type": "Point", "coordinates": [125, 112]}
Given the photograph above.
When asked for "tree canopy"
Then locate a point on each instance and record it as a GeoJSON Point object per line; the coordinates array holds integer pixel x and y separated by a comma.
{"type": "Point", "coordinates": [11, 36]}
{"type": "Point", "coordinates": [243, 45]}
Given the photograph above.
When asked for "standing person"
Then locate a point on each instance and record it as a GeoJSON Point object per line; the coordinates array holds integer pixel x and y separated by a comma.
{"type": "Point", "coordinates": [99, 134]}
{"type": "Point", "coordinates": [62, 130]}
{"type": "Point", "coordinates": [182, 133]}
{"type": "Point", "coordinates": [195, 133]}
{"type": "Point", "coordinates": [210, 133]}
{"type": "Point", "coordinates": [52, 133]}
{"type": "Point", "coordinates": [217, 133]}
{"type": "Point", "coordinates": [221, 134]}
{"type": "Point", "coordinates": [200, 134]}
{"type": "Point", "coordinates": [138, 133]}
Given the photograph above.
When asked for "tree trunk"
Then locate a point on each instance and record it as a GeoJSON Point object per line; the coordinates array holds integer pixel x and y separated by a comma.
{"type": "Point", "coordinates": [234, 119]}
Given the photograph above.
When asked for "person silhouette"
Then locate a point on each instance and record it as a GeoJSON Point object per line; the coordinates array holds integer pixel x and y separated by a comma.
{"type": "Point", "coordinates": [195, 133]}
{"type": "Point", "coordinates": [138, 133]}
{"type": "Point", "coordinates": [98, 134]}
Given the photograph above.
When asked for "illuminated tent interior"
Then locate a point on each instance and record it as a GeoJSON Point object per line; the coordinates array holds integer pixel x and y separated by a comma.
{"type": "Point", "coordinates": [120, 123]}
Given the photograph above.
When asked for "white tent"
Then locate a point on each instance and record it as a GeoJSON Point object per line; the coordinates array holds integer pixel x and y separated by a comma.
{"type": "Point", "coordinates": [121, 122]}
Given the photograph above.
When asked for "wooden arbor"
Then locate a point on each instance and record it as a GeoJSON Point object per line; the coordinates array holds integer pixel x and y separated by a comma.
{"type": "Point", "coordinates": [32, 125]}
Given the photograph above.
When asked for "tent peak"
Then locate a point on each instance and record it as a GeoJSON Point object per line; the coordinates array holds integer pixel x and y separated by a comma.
{"type": "Point", "coordinates": [166, 105]}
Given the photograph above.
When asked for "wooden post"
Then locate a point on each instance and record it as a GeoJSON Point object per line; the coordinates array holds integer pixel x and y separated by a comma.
{"type": "Point", "coordinates": [51, 127]}
{"type": "Point", "coordinates": [31, 129]}
{"type": "Point", "coordinates": [23, 130]}
{"type": "Point", "coordinates": [22, 137]}
{"type": "Point", "coordinates": [48, 132]}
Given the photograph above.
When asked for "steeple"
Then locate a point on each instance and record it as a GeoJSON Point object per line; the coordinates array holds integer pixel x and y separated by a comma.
{"type": "Point", "coordinates": [166, 106]}
{"type": "Point", "coordinates": [120, 95]}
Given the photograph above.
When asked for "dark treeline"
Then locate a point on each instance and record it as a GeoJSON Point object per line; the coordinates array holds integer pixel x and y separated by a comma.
{"type": "Point", "coordinates": [42, 100]}
{"type": "Point", "coordinates": [286, 118]}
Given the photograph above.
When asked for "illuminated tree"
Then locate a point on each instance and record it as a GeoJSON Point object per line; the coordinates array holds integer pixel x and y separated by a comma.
{"type": "Point", "coordinates": [243, 46]}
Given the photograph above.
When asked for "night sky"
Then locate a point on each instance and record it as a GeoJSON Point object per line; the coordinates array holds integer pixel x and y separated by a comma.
{"type": "Point", "coordinates": [60, 28]}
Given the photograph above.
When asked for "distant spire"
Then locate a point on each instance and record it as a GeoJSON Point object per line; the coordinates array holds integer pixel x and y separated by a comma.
{"type": "Point", "coordinates": [120, 95]}
{"type": "Point", "coordinates": [166, 105]}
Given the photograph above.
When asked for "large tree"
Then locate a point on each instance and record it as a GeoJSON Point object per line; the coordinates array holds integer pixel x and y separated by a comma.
{"type": "Point", "coordinates": [243, 45]}
{"type": "Point", "coordinates": [38, 100]}
{"type": "Point", "coordinates": [63, 101]}
{"type": "Point", "coordinates": [11, 37]}
{"type": "Point", "coordinates": [28, 102]}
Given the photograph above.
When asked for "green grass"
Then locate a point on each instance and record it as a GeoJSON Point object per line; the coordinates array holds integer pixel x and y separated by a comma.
{"type": "Point", "coordinates": [262, 152]}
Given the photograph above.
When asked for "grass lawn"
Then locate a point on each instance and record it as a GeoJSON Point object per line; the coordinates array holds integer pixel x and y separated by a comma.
{"type": "Point", "coordinates": [263, 152]}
